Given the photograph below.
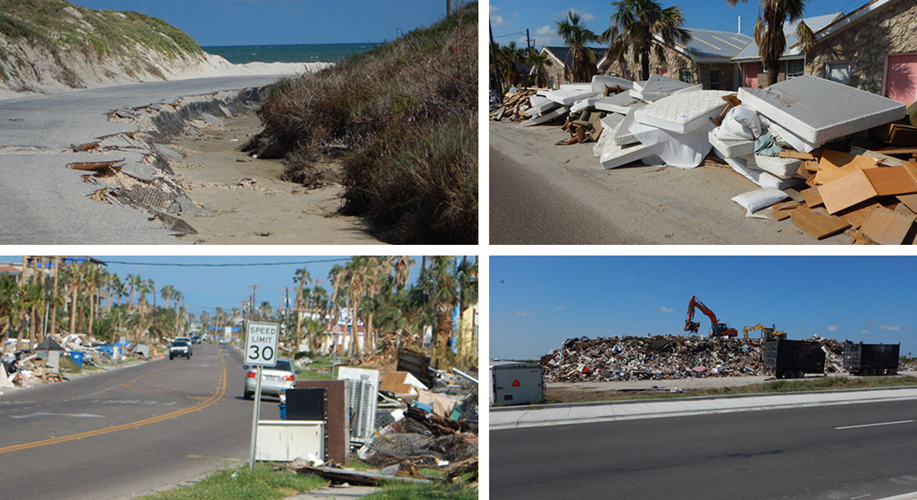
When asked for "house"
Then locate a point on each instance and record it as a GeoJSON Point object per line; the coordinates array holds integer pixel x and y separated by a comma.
{"type": "Point", "coordinates": [561, 60]}
{"type": "Point", "coordinates": [752, 71]}
{"type": "Point", "coordinates": [705, 59]}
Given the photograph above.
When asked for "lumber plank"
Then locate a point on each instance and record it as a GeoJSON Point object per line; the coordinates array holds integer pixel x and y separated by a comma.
{"type": "Point", "coordinates": [909, 200]}
{"type": "Point", "coordinates": [812, 197]}
{"type": "Point", "coordinates": [786, 153]}
{"type": "Point", "coordinates": [836, 164]}
{"type": "Point", "coordinates": [817, 225]}
{"type": "Point", "coordinates": [891, 181]}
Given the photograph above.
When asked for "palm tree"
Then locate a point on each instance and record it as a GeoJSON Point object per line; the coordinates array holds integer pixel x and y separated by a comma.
{"type": "Point", "coordinates": [166, 293]}
{"type": "Point", "coordinates": [9, 305]}
{"type": "Point", "coordinates": [577, 36]}
{"type": "Point", "coordinates": [769, 33]}
{"type": "Point", "coordinates": [636, 24]}
{"type": "Point", "coordinates": [441, 287]}
{"type": "Point", "coordinates": [539, 62]}
{"type": "Point", "coordinates": [133, 281]}
{"type": "Point", "coordinates": [265, 309]}
{"type": "Point", "coordinates": [302, 277]}
{"type": "Point", "coordinates": [91, 273]}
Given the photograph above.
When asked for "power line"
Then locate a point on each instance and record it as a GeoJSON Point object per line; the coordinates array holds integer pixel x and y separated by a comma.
{"type": "Point", "coordinates": [250, 264]}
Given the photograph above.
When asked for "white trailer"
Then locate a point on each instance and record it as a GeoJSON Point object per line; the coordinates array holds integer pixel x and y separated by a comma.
{"type": "Point", "coordinates": [515, 383]}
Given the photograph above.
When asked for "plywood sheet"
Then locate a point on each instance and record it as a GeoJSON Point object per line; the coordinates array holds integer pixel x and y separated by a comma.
{"type": "Point", "coordinates": [812, 197]}
{"type": "Point", "coordinates": [886, 227]}
{"type": "Point", "coordinates": [818, 225]}
{"type": "Point", "coordinates": [847, 191]}
{"type": "Point", "coordinates": [910, 200]}
{"type": "Point", "coordinates": [836, 164]}
{"type": "Point", "coordinates": [857, 215]}
{"type": "Point", "coordinates": [891, 181]}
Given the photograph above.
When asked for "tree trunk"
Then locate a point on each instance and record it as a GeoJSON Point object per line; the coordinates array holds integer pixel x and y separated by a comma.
{"type": "Point", "coordinates": [54, 295]}
{"type": "Point", "coordinates": [73, 294]}
{"type": "Point", "coordinates": [443, 332]}
{"type": "Point", "coordinates": [92, 303]}
{"type": "Point", "coordinates": [645, 66]}
{"type": "Point", "coordinates": [773, 71]}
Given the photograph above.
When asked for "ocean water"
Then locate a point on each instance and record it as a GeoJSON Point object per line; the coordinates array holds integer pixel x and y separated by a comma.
{"type": "Point", "coordinates": [325, 52]}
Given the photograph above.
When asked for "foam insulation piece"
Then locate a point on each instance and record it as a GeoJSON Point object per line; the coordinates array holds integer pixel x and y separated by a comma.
{"type": "Point", "coordinates": [781, 167]}
{"type": "Point", "coordinates": [619, 103]}
{"type": "Point", "coordinates": [678, 150]}
{"type": "Point", "coordinates": [760, 178]}
{"type": "Point", "coordinates": [599, 82]}
{"type": "Point", "coordinates": [684, 112]}
{"type": "Point", "coordinates": [568, 97]}
{"type": "Point", "coordinates": [614, 156]}
{"type": "Point", "coordinates": [545, 118]}
{"type": "Point", "coordinates": [731, 149]}
{"type": "Point", "coordinates": [818, 110]}
{"type": "Point", "coordinates": [583, 104]}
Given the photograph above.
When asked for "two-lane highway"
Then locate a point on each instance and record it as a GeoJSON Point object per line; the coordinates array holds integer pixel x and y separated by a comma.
{"type": "Point", "coordinates": [862, 451]}
{"type": "Point", "coordinates": [127, 431]}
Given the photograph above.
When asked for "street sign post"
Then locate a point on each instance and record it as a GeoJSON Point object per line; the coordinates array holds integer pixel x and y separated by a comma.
{"type": "Point", "coordinates": [260, 351]}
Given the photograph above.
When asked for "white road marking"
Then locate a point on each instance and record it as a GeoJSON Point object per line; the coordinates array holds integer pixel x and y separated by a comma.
{"type": "Point", "coordinates": [872, 425]}
{"type": "Point", "coordinates": [46, 414]}
{"type": "Point", "coordinates": [861, 496]}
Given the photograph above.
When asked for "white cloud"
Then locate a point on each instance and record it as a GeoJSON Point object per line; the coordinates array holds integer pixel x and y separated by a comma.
{"type": "Point", "coordinates": [560, 308]}
{"type": "Point", "coordinates": [891, 328]}
{"type": "Point", "coordinates": [494, 8]}
{"type": "Point", "coordinates": [833, 328]}
{"type": "Point", "coordinates": [666, 309]}
{"type": "Point", "coordinates": [544, 30]}
{"type": "Point", "coordinates": [865, 331]}
{"type": "Point", "coordinates": [525, 314]}
{"type": "Point", "coordinates": [499, 21]}
{"type": "Point", "coordinates": [584, 15]}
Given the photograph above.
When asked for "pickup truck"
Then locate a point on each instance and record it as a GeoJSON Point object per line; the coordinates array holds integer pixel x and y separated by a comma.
{"type": "Point", "coordinates": [180, 348]}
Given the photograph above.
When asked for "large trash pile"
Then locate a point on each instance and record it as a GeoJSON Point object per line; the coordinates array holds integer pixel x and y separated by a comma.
{"type": "Point", "coordinates": [830, 157]}
{"type": "Point", "coordinates": [60, 354]}
{"type": "Point", "coordinates": [664, 357]}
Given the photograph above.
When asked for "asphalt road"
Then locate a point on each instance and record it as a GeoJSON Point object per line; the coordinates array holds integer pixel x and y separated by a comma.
{"type": "Point", "coordinates": [43, 202]}
{"type": "Point", "coordinates": [809, 453]}
{"type": "Point", "coordinates": [128, 431]}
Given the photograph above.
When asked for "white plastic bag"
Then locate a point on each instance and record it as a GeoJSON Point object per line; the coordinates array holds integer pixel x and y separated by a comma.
{"type": "Point", "coordinates": [740, 124]}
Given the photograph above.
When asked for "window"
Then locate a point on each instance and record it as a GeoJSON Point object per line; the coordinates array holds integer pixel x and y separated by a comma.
{"type": "Point", "coordinates": [762, 68]}
{"type": "Point", "coordinates": [838, 72]}
{"type": "Point", "coordinates": [714, 79]}
{"type": "Point", "coordinates": [685, 75]}
{"type": "Point", "coordinates": [794, 68]}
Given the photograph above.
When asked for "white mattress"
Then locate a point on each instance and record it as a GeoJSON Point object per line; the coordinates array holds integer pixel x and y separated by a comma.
{"type": "Point", "coordinates": [618, 103]}
{"type": "Point", "coordinates": [622, 135]}
{"type": "Point", "coordinates": [584, 103]}
{"type": "Point", "coordinates": [677, 150]}
{"type": "Point", "coordinates": [655, 96]}
{"type": "Point", "coordinates": [658, 87]}
{"type": "Point", "coordinates": [576, 86]}
{"type": "Point", "coordinates": [600, 81]}
{"type": "Point", "coordinates": [542, 107]}
{"type": "Point", "coordinates": [759, 177]}
{"type": "Point", "coordinates": [798, 143]}
{"type": "Point", "coordinates": [614, 156]}
{"type": "Point", "coordinates": [781, 167]}
{"type": "Point", "coordinates": [819, 110]}
{"type": "Point", "coordinates": [683, 112]}
{"type": "Point", "coordinates": [568, 97]}
{"type": "Point", "coordinates": [611, 121]}
{"type": "Point", "coordinates": [545, 118]}
{"type": "Point", "coordinates": [731, 149]}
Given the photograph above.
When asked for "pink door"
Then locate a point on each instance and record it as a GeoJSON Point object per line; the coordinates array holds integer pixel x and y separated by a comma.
{"type": "Point", "coordinates": [901, 82]}
{"type": "Point", "coordinates": [663, 72]}
{"type": "Point", "coordinates": [751, 75]}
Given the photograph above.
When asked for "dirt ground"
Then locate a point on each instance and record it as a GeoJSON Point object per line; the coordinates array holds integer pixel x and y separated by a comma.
{"type": "Point", "coordinates": [636, 204]}
{"type": "Point", "coordinates": [248, 203]}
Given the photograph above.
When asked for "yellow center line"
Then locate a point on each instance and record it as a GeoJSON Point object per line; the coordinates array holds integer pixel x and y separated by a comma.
{"type": "Point", "coordinates": [213, 399]}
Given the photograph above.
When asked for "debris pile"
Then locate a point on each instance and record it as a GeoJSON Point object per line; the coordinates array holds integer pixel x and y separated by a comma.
{"type": "Point", "coordinates": [659, 357]}
{"type": "Point", "coordinates": [831, 158]}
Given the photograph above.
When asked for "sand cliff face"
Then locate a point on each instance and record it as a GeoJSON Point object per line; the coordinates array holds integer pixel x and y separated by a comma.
{"type": "Point", "coordinates": [49, 46]}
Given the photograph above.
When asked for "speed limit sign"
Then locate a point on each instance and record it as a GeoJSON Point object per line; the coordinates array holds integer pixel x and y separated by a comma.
{"type": "Point", "coordinates": [261, 344]}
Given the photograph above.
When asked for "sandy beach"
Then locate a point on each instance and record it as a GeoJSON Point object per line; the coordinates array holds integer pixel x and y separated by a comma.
{"type": "Point", "coordinates": [246, 200]}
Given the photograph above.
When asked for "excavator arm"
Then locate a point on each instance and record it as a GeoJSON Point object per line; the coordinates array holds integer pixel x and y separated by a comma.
{"type": "Point", "coordinates": [718, 329]}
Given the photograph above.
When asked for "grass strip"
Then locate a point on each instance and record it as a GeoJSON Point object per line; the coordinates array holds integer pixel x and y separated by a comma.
{"type": "Point", "coordinates": [423, 492]}
{"type": "Point", "coordinates": [240, 484]}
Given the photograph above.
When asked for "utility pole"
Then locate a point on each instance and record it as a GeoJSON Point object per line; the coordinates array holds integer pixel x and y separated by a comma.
{"type": "Point", "coordinates": [740, 24]}
{"type": "Point", "coordinates": [495, 77]}
{"type": "Point", "coordinates": [448, 8]}
{"type": "Point", "coordinates": [528, 40]}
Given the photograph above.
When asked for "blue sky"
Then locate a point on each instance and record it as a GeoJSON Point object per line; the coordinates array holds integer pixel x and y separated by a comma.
{"type": "Point", "coordinates": [510, 17]}
{"type": "Point", "coordinates": [538, 302]}
{"type": "Point", "coordinates": [212, 287]}
{"type": "Point", "coordinates": [273, 22]}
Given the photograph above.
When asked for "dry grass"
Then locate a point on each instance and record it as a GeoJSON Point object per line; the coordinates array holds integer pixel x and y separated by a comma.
{"type": "Point", "coordinates": [404, 116]}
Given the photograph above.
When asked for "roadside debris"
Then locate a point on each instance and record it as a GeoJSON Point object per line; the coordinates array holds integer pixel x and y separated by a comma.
{"type": "Point", "coordinates": [659, 357]}
{"type": "Point", "coordinates": [846, 158]}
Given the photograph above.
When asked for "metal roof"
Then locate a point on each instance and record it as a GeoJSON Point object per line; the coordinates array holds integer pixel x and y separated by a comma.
{"type": "Point", "coordinates": [816, 24]}
{"type": "Point", "coordinates": [564, 54]}
{"type": "Point", "coordinates": [710, 43]}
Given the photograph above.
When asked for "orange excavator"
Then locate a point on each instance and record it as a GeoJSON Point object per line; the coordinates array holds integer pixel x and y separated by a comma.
{"type": "Point", "coordinates": [719, 329]}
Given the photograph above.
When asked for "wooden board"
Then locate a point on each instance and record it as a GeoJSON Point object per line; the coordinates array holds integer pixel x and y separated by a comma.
{"type": "Point", "coordinates": [836, 164]}
{"type": "Point", "coordinates": [812, 197]}
{"type": "Point", "coordinates": [847, 191]}
{"type": "Point", "coordinates": [857, 215]}
{"type": "Point", "coordinates": [795, 154]}
{"type": "Point", "coordinates": [896, 134]}
{"type": "Point", "coordinates": [910, 200]}
{"type": "Point", "coordinates": [886, 227]}
{"type": "Point", "coordinates": [818, 225]}
{"type": "Point", "coordinates": [891, 181]}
